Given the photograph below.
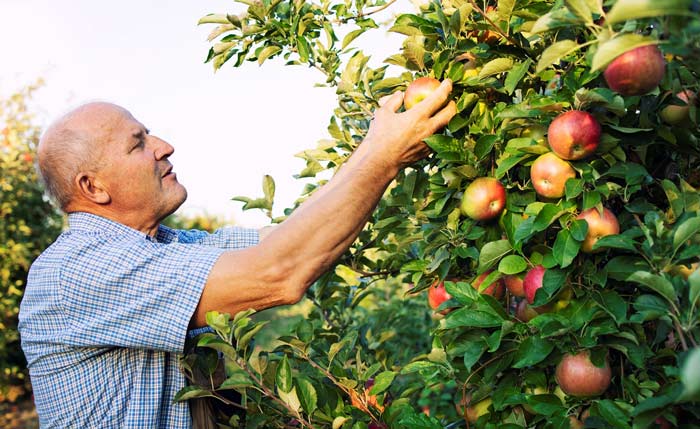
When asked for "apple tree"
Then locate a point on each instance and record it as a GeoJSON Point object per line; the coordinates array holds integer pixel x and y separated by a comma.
{"type": "Point", "coordinates": [568, 177]}
{"type": "Point", "coordinates": [28, 224]}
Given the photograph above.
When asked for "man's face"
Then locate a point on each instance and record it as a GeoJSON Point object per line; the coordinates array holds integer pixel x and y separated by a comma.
{"type": "Point", "coordinates": [135, 169]}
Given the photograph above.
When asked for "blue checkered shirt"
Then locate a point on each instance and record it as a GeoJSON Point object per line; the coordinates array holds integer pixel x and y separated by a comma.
{"type": "Point", "coordinates": [104, 319]}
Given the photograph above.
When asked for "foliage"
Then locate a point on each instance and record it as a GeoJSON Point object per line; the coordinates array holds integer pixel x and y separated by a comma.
{"type": "Point", "coordinates": [515, 66]}
{"type": "Point", "coordinates": [28, 224]}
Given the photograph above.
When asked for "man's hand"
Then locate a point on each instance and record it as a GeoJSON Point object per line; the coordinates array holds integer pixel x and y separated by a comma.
{"type": "Point", "coordinates": [399, 136]}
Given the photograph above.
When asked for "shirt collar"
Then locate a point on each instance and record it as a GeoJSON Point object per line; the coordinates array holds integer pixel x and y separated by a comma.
{"type": "Point", "coordinates": [88, 222]}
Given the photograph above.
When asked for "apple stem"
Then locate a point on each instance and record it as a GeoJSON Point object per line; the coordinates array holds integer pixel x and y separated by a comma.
{"type": "Point", "coordinates": [681, 337]}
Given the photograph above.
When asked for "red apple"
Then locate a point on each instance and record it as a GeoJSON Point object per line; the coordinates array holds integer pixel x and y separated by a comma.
{"type": "Point", "coordinates": [577, 376]}
{"type": "Point", "coordinates": [495, 289]}
{"type": "Point", "coordinates": [514, 284]}
{"type": "Point", "coordinates": [437, 295]}
{"type": "Point", "coordinates": [473, 412]}
{"type": "Point", "coordinates": [549, 174]}
{"type": "Point", "coordinates": [525, 312]}
{"type": "Point", "coordinates": [598, 226]}
{"type": "Point", "coordinates": [636, 72]}
{"type": "Point", "coordinates": [418, 90]}
{"type": "Point", "coordinates": [532, 282]}
{"type": "Point", "coordinates": [679, 115]}
{"type": "Point", "coordinates": [574, 135]}
{"type": "Point", "coordinates": [484, 199]}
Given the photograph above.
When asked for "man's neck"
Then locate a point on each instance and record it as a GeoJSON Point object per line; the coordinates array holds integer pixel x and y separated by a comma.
{"type": "Point", "coordinates": [137, 221]}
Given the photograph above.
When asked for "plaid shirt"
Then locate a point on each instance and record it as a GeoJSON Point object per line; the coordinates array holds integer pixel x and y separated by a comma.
{"type": "Point", "coordinates": [105, 316]}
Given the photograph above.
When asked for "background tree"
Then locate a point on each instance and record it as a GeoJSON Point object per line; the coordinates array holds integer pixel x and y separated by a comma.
{"type": "Point", "coordinates": [28, 224]}
{"type": "Point", "coordinates": [578, 121]}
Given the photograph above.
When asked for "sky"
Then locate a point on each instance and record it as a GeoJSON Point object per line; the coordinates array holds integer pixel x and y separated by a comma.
{"type": "Point", "coordinates": [228, 128]}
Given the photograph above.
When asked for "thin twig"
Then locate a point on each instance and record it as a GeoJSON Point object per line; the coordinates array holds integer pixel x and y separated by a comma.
{"type": "Point", "coordinates": [493, 24]}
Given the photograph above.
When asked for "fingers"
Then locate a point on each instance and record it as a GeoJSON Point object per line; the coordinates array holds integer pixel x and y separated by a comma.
{"type": "Point", "coordinates": [441, 118]}
{"type": "Point", "coordinates": [392, 102]}
{"type": "Point", "coordinates": [436, 99]}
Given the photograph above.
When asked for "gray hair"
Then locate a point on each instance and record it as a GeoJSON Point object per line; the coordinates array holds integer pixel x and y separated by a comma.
{"type": "Point", "coordinates": [63, 153]}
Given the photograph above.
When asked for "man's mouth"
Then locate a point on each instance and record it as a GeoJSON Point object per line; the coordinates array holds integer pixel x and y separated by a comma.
{"type": "Point", "coordinates": [168, 172]}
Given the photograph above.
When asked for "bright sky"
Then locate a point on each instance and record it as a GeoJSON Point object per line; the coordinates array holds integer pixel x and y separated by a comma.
{"type": "Point", "coordinates": [229, 128]}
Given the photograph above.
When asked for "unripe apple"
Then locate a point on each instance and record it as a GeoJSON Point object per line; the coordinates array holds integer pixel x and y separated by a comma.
{"type": "Point", "coordinates": [679, 115]}
{"type": "Point", "coordinates": [549, 174]}
{"type": "Point", "coordinates": [532, 282]}
{"type": "Point", "coordinates": [495, 289]}
{"type": "Point", "coordinates": [525, 312]}
{"type": "Point", "coordinates": [484, 199]}
{"type": "Point", "coordinates": [514, 284]}
{"type": "Point", "coordinates": [598, 226]}
{"type": "Point", "coordinates": [418, 90]}
{"type": "Point", "coordinates": [577, 376]}
{"type": "Point", "coordinates": [637, 71]}
{"type": "Point", "coordinates": [574, 135]}
{"type": "Point", "coordinates": [437, 294]}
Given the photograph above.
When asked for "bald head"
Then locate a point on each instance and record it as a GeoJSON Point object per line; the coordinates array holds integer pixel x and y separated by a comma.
{"type": "Point", "coordinates": [74, 144]}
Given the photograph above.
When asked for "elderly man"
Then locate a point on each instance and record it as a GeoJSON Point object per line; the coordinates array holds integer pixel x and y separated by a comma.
{"type": "Point", "coordinates": [108, 306]}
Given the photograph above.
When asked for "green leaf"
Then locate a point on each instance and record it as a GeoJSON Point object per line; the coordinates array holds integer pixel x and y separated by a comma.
{"type": "Point", "coordinates": [382, 382]}
{"type": "Point", "coordinates": [556, 18]}
{"type": "Point", "coordinates": [613, 304]}
{"type": "Point", "coordinates": [269, 188]}
{"type": "Point", "coordinates": [505, 9]}
{"type": "Point", "coordinates": [307, 394]}
{"type": "Point", "coordinates": [351, 36]}
{"type": "Point", "coordinates": [613, 414]}
{"type": "Point", "coordinates": [686, 230]}
{"type": "Point", "coordinates": [467, 317]}
{"type": "Point", "coordinates": [565, 248]}
{"type": "Point", "coordinates": [615, 242]}
{"type": "Point", "coordinates": [548, 214]}
{"type": "Point", "coordinates": [514, 76]}
{"type": "Point", "coordinates": [617, 46]}
{"type": "Point", "coordinates": [499, 65]}
{"type": "Point", "coordinates": [621, 267]}
{"type": "Point", "coordinates": [484, 145]}
{"type": "Point", "coordinates": [267, 52]}
{"type": "Point", "coordinates": [492, 252]}
{"type": "Point", "coordinates": [352, 71]}
{"type": "Point", "coordinates": [694, 290]}
{"type": "Point", "coordinates": [625, 10]}
{"type": "Point", "coordinates": [190, 392]}
{"type": "Point", "coordinates": [512, 264]}
{"type": "Point", "coordinates": [674, 197]}
{"type": "Point", "coordinates": [649, 307]}
{"type": "Point", "coordinates": [531, 351]}
{"type": "Point", "coordinates": [654, 282]}
{"type": "Point", "coordinates": [552, 282]}
{"type": "Point", "coordinates": [580, 9]}
{"type": "Point", "coordinates": [556, 52]}
{"type": "Point", "coordinates": [237, 380]}
{"type": "Point", "coordinates": [283, 378]}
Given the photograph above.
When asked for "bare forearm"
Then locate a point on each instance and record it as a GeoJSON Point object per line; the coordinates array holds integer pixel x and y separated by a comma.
{"type": "Point", "coordinates": [326, 224]}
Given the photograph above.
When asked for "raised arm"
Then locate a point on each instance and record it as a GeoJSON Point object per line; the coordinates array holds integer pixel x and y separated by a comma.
{"type": "Point", "coordinates": [293, 255]}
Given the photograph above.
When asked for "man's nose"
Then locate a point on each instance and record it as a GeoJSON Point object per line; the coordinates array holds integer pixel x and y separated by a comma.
{"type": "Point", "coordinates": [162, 148]}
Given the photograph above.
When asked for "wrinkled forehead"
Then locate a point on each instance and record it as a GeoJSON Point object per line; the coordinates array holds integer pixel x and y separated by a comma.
{"type": "Point", "coordinates": [103, 121]}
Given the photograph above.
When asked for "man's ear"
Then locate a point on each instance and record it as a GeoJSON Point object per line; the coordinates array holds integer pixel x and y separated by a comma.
{"type": "Point", "coordinates": [90, 188]}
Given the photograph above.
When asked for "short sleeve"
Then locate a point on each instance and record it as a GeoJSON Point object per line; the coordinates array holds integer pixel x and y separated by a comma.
{"type": "Point", "coordinates": [136, 294]}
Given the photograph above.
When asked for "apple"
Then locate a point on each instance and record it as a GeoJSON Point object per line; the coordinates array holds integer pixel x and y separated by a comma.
{"type": "Point", "coordinates": [484, 199]}
{"type": "Point", "coordinates": [437, 294]}
{"type": "Point", "coordinates": [598, 226]}
{"type": "Point", "coordinates": [679, 115]}
{"type": "Point", "coordinates": [549, 174]}
{"type": "Point", "coordinates": [577, 376]}
{"type": "Point", "coordinates": [574, 135]}
{"type": "Point", "coordinates": [514, 284]}
{"type": "Point", "coordinates": [525, 312]}
{"type": "Point", "coordinates": [473, 412]}
{"type": "Point", "coordinates": [495, 289]}
{"type": "Point", "coordinates": [418, 90]}
{"type": "Point", "coordinates": [532, 282]}
{"type": "Point", "coordinates": [637, 71]}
